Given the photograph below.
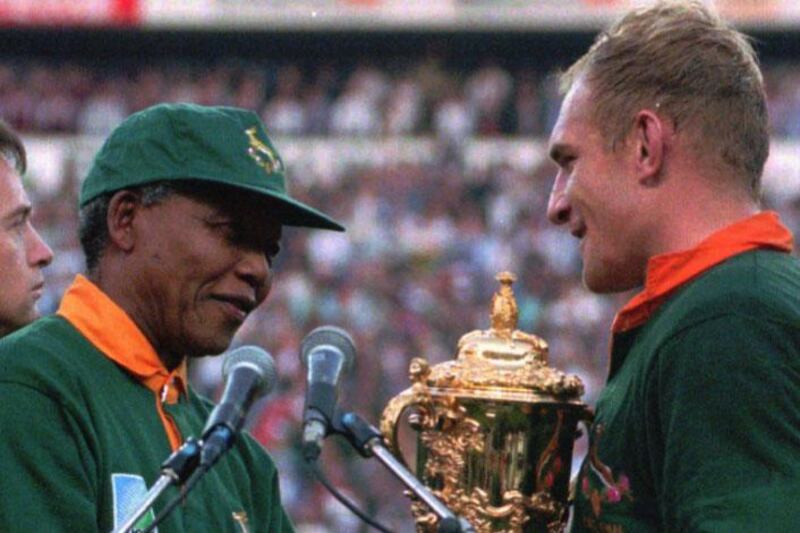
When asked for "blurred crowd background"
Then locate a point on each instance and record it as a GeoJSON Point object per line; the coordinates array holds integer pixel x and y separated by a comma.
{"type": "Point", "coordinates": [426, 95]}
{"type": "Point", "coordinates": [426, 236]}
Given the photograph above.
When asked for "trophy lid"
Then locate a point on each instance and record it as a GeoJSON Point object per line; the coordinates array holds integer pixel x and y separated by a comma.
{"type": "Point", "coordinates": [501, 362]}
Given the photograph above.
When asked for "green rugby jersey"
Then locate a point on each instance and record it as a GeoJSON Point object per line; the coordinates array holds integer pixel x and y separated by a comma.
{"type": "Point", "coordinates": [698, 427]}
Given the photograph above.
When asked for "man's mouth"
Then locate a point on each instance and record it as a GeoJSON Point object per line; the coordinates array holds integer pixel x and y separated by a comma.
{"type": "Point", "coordinates": [238, 305]}
{"type": "Point", "coordinates": [38, 289]}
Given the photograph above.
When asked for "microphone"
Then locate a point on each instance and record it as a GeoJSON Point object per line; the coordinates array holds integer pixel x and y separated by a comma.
{"type": "Point", "coordinates": [327, 352]}
{"type": "Point", "coordinates": [249, 373]}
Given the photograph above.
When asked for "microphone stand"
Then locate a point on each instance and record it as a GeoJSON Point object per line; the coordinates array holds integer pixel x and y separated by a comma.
{"type": "Point", "coordinates": [216, 441]}
{"type": "Point", "coordinates": [176, 469]}
{"type": "Point", "coordinates": [368, 441]}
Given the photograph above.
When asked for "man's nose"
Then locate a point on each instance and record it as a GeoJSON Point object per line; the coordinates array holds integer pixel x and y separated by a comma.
{"type": "Point", "coordinates": [39, 253]}
{"type": "Point", "coordinates": [255, 270]}
{"type": "Point", "coordinates": [558, 208]}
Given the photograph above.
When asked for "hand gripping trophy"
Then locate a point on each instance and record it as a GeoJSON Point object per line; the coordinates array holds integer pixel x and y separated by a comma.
{"type": "Point", "coordinates": [495, 428]}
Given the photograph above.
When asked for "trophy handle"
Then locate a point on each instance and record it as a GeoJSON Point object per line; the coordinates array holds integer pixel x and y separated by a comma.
{"type": "Point", "coordinates": [391, 418]}
{"type": "Point", "coordinates": [586, 419]}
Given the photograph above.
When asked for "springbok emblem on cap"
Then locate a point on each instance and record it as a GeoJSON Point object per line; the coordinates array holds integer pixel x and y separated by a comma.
{"type": "Point", "coordinates": [263, 155]}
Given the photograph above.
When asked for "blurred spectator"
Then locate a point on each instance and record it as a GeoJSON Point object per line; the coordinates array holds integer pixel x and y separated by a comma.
{"type": "Point", "coordinates": [356, 110]}
{"type": "Point", "coordinates": [404, 107]}
{"type": "Point", "coordinates": [104, 109]}
{"type": "Point", "coordinates": [285, 112]}
{"type": "Point", "coordinates": [488, 90]}
{"type": "Point", "coordinates": [453, 118]}
{"type": "Point", "coordinates": [527, 110]}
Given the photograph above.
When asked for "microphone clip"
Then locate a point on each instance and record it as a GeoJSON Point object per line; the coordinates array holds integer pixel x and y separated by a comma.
{"type": "Point", "coordinates": [183, 461]}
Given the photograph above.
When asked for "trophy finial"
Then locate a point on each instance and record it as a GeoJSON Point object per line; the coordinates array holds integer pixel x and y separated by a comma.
{"type": "Point", "coordinates": [504, 306]}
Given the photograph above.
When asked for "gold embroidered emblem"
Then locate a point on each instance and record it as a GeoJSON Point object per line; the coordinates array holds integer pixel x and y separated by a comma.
{"type": "Point", "coordinates": [241, 519]}
{"type": "Point", "coordinates": [262, 154]}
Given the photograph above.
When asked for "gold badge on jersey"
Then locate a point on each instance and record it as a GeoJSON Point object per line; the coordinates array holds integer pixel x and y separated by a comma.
{"type": "Point", "coordinates": [241, 520]}
{"type": "Point", "coordinates": [262, 154]}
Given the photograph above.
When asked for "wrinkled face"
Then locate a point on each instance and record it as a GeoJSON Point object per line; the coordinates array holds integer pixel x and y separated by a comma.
{"type": "Point", "coordinates": [205, 264]}
{"type": "Point", "coordinates": [23, 254]}
{"type": "Point", "coordinates": [595, 197]}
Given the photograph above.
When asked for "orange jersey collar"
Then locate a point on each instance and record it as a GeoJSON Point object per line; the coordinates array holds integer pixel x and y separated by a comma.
{"type": "Point", "coordinates": [667, 272]}
{"type": "Point", "coordinates": [113, 332]}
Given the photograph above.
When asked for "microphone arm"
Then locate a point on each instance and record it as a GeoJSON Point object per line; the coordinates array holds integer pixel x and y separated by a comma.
{"type": "Point", "coordinates": [249, 373]}
{"type": "Point", "coordinates": [175, 470]}
{"type": "Point", "coordinates": [368, 441]}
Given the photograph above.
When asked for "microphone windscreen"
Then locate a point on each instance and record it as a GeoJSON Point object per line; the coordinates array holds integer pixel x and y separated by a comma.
{"type": "Point", "coordinates": [330, 336]}
{"type": "Point", "coordinates": [256, 358]}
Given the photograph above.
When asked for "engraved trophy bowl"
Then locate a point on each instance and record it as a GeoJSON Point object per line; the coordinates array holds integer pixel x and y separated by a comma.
{"type": "Point", "coordinates": [495, 428]}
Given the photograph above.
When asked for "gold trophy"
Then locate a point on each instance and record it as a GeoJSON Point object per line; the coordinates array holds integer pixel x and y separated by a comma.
{"type": "Point", "coordinates": [496, 428]}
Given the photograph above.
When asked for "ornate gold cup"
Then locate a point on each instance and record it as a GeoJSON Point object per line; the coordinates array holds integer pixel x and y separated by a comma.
{"type": "Point", "coordinates": [496, 428]}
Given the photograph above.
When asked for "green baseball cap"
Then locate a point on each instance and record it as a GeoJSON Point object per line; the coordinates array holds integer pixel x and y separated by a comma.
{"type": "Point", "coordinates": [225, 145]}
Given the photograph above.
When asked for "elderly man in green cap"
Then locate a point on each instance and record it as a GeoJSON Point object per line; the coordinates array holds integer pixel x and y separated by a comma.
{"type": "Point", "coordinates": [181, 217]}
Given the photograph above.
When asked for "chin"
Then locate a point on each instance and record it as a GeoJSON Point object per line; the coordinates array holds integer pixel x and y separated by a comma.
{"type": "Point", "coordinates": [208, 337]}
{"type": "Point", "coordinates": [217, 349]}
{"type": "Point", "coordinates": [210, 346]}
{"type": "Point", "coordinates": [598, 288]}
{"type": "Point", "coordinates": [606, 282]}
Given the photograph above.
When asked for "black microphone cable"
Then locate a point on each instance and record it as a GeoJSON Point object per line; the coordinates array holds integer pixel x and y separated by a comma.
{"type": "Point", "coordinates": [315, 469]}
{"type": "Point", "coordinates": [327, 353]}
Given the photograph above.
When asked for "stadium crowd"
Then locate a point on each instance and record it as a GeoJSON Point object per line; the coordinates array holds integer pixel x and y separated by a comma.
{"type": "Point", "coordinates": [414, 97]}
{"type": "Point", "coordinates": [415, 270]}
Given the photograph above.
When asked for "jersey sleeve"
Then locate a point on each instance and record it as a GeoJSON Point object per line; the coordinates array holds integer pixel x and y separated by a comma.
{"type": "Point", "coordinates": [46, 482]}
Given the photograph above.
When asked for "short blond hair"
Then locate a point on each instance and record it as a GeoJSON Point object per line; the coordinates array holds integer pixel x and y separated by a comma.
{"type": "Point", "coordinates": [679, 57]}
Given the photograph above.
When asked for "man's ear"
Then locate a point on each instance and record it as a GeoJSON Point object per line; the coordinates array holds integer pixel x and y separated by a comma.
{"type": "Point", "coordinates": [122, 210]}
{"type": "Point", "coordinates": [650, 135]}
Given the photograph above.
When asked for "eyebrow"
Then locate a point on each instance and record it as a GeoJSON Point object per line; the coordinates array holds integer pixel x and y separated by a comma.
{"type": "Point", "coordinates": [23, 210]}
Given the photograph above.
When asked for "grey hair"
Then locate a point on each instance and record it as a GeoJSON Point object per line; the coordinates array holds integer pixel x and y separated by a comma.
{"type": "Point", "coordinates": [93, 226]}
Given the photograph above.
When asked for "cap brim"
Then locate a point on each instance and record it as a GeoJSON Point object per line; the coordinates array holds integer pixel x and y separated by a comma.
{"type": "Point", "coordinates": [294, 213]}
{"type": "Point", "coordinates": [299, 214]}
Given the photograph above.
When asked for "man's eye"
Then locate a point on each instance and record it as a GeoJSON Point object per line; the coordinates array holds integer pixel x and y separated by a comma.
{"type": "Point", "coordinates": [18, 224]}
{"type": "Point", "coordinates": [223, 226]}
{"type": "Point", "coordinates": [271, 252]}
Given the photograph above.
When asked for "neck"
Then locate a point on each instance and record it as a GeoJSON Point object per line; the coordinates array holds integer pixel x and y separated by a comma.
{"type": "Point", "coordinates": [124, 294]}
{"type": "Point", "coordinates": [689, 218]}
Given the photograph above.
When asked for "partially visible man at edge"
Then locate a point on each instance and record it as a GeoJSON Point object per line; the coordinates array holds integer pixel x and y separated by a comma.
{"type": "Point", "coordinates": [23, 253]}
{"type": "Point", "coordinates": [660, 145]}
{"type": "Point", "coordinates": [181, 217]}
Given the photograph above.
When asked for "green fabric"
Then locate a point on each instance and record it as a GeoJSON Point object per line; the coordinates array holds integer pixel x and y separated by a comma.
{"type": "Point", "coordinates": [71, 418]}
{"type": "Point", "coordinates": [698, 428]}
{"type": "Point", "coordinates": [186, 141]}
